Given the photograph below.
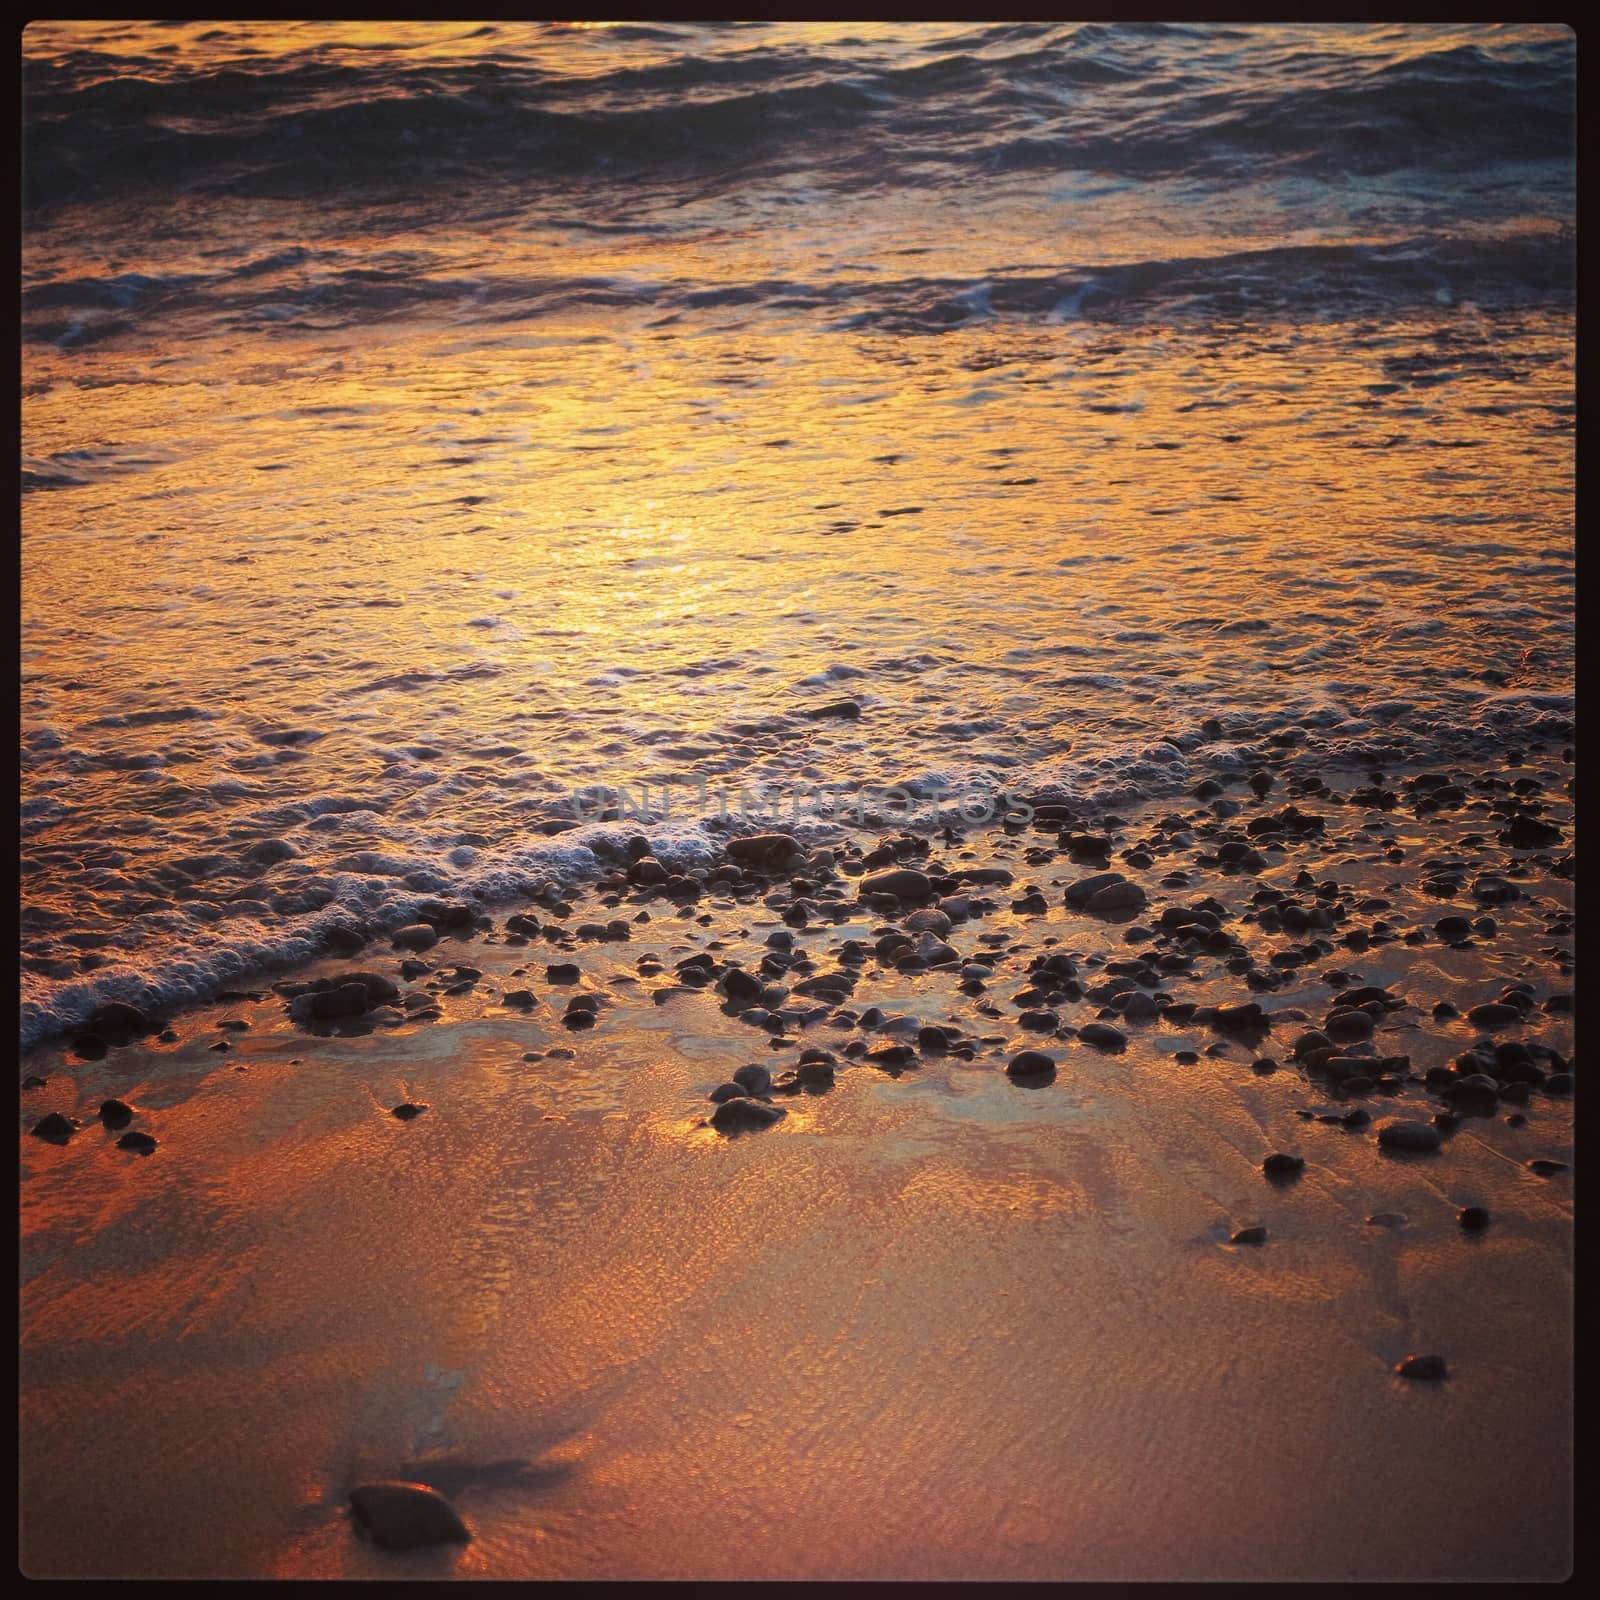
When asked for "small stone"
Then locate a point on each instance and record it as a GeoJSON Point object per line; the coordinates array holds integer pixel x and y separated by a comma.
{"type": "Point", "coordinates": [34, 1081]}
{"type": "Point", "coordinates": [1493, 1015]}
{"type": "Point", "coordinates": [904, 883]}
{"type": "Point", "coordinates": [141, 1142]}
{"type": "Point", "coordinates": [1247, 1015]}
{"type": "Point", "coordinates": [1387, 1219]}
{"type": "Point", "coordinates": [1081, 892]}
{"type": "Point", "coordinates": [350, 999]}
{"type": "Point", "coordinates": [743, 1116]}
{"type": "Point", "coordinates": [54, 1127]}
{"type": "Point", "coordinates": [1424, 1369]}
{"type": "Point", "coordinates": [1030, 1064]}
{"type": "Point", "coordinates": [1350, 1024]}
{"type": "Point", "coordinates": [1402, 1134]}
{"type": "Point", "coordinates": [1473, 1218]}
{"type": "Point", "coordinates": [116, 1113]}
{"type": "Point", "coordinates": [754, 1079]}
{"type": "Point", "coordinates": [562, 972]}
{"type": "Point", "coordinates": [763, 849]}
{"type": "Point", "coordinates": [115, 1019]}
{"type": "Point", "coordinates": [415, 936]}
{"type": "Point", "coordinates": [408, 1109]}
{"type": "Point", "coordinates": [1279, 1165]}
{"type": "Point", "coordinates": [1103, 1036]}
{"type": "Point", "coordinates": [1122, 896]}
{"type": "Point", "coordinates": [1252, 1235]}
{"type": "Point", "coordinates": [405, 1516]}
{"type": "Point", "coordinates": [1545, 1167]}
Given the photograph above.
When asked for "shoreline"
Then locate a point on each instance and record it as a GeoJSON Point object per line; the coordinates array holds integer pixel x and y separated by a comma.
{"type": "Point", "coordinates": [603, 845]}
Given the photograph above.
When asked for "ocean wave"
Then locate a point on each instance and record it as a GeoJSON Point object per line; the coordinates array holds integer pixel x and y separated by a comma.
{"type": "Point", "coordinates": [1122, 103]}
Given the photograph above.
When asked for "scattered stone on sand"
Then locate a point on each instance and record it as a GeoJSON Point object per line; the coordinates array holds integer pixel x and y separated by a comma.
{"type": "Point", "coordinates": [763, 849]}
{"type": "Point", "coordinates": [405, 1516]}
{"type": "Point", "coordinates": [1121, 896]}
{"type": "Point", "coordinates": [754, 1079]}
{"type": "Point", "coordinates": [415, 936]}
{"type": "Point", "coordinates": [903, 883]}
{"type": "Point", "coordinates": [1246, 1015]}
{"type": "Point", "coordinates": [1031, 1064]}
{"type": "Point", "coordinates": [1103, 1036]}
{"type": "Point", "coordinates": [1279, 1165]}
{"type": "Point", "coordinates": [1405, 1134]}
{"type": "Point", "coordinates": [1494, 1014]}
{"type": "Point", "coordinates": [407, 1109]}
{"type": "Point", "coordinates": [349, 1000]}
{"type": "Point", "coordinates": [1474, 1219]}
{"type": "Point", "coordinates": [1255, 1234]}
{"type": "Point", "coordinates": [116, 1113]}
{"type": "Point", "coordinates": [562, 972]}
{"type": "Point", "coordinates": [745, 1116]}
{"type": "Point", "coordinates": [118, 1022]}
{"type": "Point", "coordinates": [141, 1143]}
{"type": "Point", "coordinates": [1423, 1369]}
{"type": "Point", "coordinates": [54, 1127]}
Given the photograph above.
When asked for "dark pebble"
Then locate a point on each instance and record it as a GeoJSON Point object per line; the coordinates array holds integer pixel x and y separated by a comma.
{"type": "Point", "coordinates": [1425, 1369]}
{"type": "Point", "coordinates": [1103, 1036]}
{"type": "Point", "coordinates": [1030, 1064]}
{"type": "Point", "coordinates": [405, 1516]}
{"type": "Point", "coordinates": [1403, 1134]}
{"type": "Point", "coordinates": [742, 1116]}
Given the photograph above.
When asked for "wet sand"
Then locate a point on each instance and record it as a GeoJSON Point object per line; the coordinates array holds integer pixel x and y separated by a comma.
{"type": "Point", "coordinates": [934, 1323]}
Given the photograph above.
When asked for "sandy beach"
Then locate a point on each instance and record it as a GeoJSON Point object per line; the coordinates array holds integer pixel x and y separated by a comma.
{"type": "Point", "coordinates": [797, 800]}
{"type": "Point", "coordinates": [935, 1322]}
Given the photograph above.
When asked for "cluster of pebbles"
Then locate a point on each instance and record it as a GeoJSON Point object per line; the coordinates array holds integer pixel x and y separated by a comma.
{"type": "Point", "coordinates": [1264, 939]}
{"type": "Point", "coordinates": [1184, 907]}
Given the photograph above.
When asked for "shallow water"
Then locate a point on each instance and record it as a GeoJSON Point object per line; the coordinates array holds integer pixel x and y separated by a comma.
{"type": "Point", "coordinates": [420, 424]}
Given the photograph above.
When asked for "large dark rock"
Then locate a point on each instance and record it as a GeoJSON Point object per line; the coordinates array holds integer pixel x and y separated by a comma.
{"type": "Point", "coordinates": [405, 1516]}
